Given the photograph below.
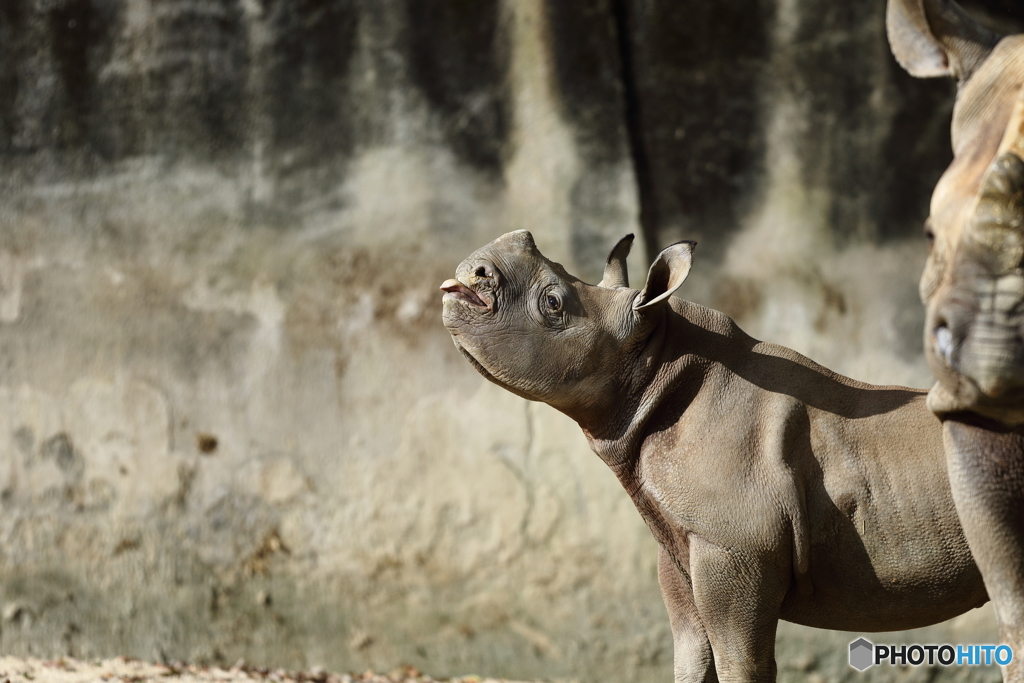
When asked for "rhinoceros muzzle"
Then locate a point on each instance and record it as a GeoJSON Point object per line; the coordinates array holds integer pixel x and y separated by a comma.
{"type": "Point", "coordinates": [976, 348]}
{"type": "Point", "coordinates": [980, 335]}
{"type": "Point", "coordinates": [458, 291]}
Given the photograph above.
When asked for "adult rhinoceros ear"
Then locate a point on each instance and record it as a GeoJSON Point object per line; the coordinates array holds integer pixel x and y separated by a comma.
{"type": "Point", "coordinates": [936, 38]}
{"type": "Point", "coordinates": [667, 272]}
{"type": "Point", "coordinates": [615, 273]}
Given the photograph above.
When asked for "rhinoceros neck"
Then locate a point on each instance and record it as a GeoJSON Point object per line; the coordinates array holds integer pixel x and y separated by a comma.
{"type": "Point", "coordinates": [675, 362]}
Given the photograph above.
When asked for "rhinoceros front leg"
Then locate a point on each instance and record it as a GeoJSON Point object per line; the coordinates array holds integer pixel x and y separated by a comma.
{"type": "Point", "coordinates": [738, 599]}
{"type": "Point", "coordinates": [694, 662]}
{"type": "Point", "coordinates": [986, 472]}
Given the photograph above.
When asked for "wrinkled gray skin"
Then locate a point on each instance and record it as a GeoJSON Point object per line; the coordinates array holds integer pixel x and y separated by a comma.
{"type": "Point", "coordinates": [973, 286]}
{"type": "Point", "coordinates": [774, 487]}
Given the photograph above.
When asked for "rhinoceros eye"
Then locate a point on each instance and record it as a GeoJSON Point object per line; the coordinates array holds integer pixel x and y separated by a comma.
{"type": "Point", "coordinates": [553, 301]}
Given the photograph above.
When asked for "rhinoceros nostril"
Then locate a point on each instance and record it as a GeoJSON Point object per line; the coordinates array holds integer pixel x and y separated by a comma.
{"type": "Point", "coordinates": [944, 343]}
{"type": "Point", "coordinates": [482, 271]}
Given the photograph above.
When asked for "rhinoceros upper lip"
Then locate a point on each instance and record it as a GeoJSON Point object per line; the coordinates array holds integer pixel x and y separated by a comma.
{"type": "Point", "coordinates": [464, 293]}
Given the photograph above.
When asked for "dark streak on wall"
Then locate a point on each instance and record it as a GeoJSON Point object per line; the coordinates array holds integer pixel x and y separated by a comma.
{"type": "Point", "coordinates": [311, 49]}
{"type": "Point", "coordinates": [596, 93]}
{"type": "Point", "coordinates": [74, 28]}
{"type": "Point", "coordinates": [589, 71]}
{"type": "Point", "coordinates": [457, 60]}
{"type": "Point", "coordinates": [10, 24]}
{"type": "Point", "coordinates": [648, 210]}
{"type": "Point", "coordinates": [697, 68]}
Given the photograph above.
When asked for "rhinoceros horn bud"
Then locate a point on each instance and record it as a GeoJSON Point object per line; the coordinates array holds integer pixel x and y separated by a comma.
{"type": "Point", "coordinates": [615, 273]}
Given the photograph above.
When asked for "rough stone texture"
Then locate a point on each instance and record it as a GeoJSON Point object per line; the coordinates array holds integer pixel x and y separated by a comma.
{"type": "Point", "coordinates": [231, 423]}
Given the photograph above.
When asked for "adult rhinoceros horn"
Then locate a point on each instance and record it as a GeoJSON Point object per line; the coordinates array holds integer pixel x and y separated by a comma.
{"type": "Point", "coordinates": [615, 274]}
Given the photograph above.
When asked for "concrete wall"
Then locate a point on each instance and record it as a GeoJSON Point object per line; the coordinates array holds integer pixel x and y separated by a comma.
{"type": "Point", "coordinates": [231, 422]}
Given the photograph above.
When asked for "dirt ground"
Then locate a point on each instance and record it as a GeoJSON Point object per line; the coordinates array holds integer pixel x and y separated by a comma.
{"type": "Point", "coordinates": [122, 669]}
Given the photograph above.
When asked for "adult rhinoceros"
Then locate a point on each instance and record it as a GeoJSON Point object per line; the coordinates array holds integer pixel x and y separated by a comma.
{"type": "Point", "coordinates": [973, 286]}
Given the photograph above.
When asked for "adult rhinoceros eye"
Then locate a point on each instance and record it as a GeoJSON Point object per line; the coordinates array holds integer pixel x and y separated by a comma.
{"type": "Point", "coordinates": [929, 235]}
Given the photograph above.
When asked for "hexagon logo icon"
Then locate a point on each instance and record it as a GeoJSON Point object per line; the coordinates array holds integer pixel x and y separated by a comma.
{"type": "Point", "coordinates": [862, 654]}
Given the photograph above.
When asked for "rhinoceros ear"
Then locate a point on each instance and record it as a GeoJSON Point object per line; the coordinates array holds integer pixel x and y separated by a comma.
{"type": "Point", "coordinates": [615, 273]}
{"type": "Point", "coordinates": [667, 272]}
{"type": "Point", "coordinates": [936, 38]}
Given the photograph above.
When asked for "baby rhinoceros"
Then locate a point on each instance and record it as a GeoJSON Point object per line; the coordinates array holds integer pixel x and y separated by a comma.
{"type": "Point", "coordinates": [775, 488]}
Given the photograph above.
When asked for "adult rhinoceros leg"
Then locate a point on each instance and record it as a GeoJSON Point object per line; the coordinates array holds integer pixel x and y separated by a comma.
{"type": "Point", "coordinates": [986, 469]}
{"type": "Point", "coordinates": [694, 662]}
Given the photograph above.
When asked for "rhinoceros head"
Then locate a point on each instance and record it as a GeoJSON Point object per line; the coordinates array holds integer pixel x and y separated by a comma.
{"type": "Point", "coordinates": [972, 285]}
{"type": "Point", "coordinates": [534, 329]}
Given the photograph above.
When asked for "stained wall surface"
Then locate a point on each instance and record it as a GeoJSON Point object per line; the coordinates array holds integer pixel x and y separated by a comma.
{"type": "Point", "coordinates": [231, 422]}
